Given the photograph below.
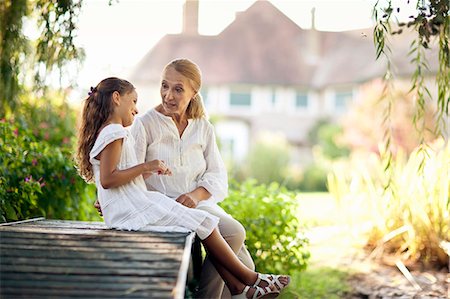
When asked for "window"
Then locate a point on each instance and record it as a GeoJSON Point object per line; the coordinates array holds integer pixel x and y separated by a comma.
{"type": "Point", "coordinates": [274, 99]}
{"type": "Point", "coordinates": [227, 148]}
{"type": "Point", "coordinates": [205, 96]}
{"type": "Point", "coordinates": [342, 100]}
{"type": "Point", "coordinates": [301, 100]}
{"type": "Point", "coordinates": [240, 99]}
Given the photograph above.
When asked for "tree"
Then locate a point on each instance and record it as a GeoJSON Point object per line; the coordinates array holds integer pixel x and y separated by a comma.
{"type": "Point", "coordinates": [431, 22]}
{"type": "Point", "coordinates": [53, 49]}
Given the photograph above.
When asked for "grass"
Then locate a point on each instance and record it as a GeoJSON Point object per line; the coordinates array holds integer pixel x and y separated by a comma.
{"type": "Point", "coordinates": [318, 283]}
{"type": "Point", "coordinates": [332, 240]}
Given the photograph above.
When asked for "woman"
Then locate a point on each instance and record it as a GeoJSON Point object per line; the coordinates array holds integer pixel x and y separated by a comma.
{"type": "Point", "coordinates": [177, 132]}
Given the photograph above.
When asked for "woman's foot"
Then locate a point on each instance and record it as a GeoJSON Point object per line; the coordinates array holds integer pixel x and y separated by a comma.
{"type": "Point", "coordinates": [272, 281]}
{"type": "Point", "coordinates": [256, 292]}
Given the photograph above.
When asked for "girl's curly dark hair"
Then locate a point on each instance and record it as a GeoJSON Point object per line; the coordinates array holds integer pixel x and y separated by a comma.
{"type": "Point", "coordinates": [96, 110]}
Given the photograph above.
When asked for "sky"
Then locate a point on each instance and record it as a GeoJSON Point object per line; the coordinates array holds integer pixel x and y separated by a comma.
{"type": "Point", "coordinates": [115, 38]}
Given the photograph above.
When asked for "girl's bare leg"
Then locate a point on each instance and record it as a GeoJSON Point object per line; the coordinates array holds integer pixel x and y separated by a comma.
{"type": "Point", "coordinates": [235, 274]}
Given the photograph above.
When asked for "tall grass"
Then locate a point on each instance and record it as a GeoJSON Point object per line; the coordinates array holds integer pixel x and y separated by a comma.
{"type": "Point", "coordinates": [407, 203]}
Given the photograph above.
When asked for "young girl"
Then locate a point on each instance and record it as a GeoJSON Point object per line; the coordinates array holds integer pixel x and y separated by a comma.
{"type": "Point", "coordinates": [106, 155]}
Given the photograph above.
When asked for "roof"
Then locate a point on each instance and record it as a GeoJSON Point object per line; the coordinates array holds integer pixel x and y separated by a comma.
{"type": "Point", "coordinates": [263, 46]}
{"type": "Point", "coordinates": [68, 259]}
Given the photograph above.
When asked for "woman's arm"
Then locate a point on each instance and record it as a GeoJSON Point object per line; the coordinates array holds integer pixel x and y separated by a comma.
{"type": "Point", "coordinates": [215, 178]}
{"type": "Point", "coordinates": [111, 177]}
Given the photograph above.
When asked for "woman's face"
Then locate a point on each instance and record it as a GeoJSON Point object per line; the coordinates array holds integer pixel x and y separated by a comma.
{"type": "Point", "coordinates": [176, 92]}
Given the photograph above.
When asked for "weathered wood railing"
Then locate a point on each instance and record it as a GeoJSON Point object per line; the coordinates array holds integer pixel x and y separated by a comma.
{"type": "Point", "coordinates": [73, 259]}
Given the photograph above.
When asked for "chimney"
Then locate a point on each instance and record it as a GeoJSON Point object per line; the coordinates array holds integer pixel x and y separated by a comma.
{"type": "Point", "coordinates": [190, 17]}
{"type": "Point", "coordinates": [313, 40]}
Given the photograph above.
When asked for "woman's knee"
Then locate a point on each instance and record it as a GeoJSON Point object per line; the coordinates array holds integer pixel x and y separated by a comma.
{"type": "Point", "coordinates": [233, 232]}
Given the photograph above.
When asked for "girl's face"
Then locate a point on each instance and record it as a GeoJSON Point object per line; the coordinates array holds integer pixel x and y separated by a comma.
{"type": "Point", "coordinates": [176, 92]}
{"type": "Point", "coordinates": [127, 108]}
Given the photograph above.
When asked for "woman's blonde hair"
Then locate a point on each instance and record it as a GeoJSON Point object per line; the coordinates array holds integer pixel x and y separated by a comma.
{"type": "Point", "coordinates": [97, 108]}
{"type": "Point", "coordinates": [191, 71]}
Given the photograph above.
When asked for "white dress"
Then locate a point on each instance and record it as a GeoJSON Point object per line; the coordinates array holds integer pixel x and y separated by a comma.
{"type": "Point", "coordinates": [131, 206]}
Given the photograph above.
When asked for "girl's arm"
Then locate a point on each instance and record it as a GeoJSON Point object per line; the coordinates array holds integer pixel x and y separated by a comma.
{"type": "Point", "coordinates": [111, 177]}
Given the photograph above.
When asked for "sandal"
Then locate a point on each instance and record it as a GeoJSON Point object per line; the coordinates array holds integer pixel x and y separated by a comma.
{"type": "Point", "coordinates": [272, 280]}
{"type": "Point", "coordinates": [260, 293]}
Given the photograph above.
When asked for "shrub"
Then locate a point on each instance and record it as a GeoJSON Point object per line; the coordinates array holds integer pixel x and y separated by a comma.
{"type": "Point", "coordinates": [268, 160]}
{"type": "Point", "coordinates": [268, 213]}
{"type": "Point", "coordinates": [39, 179]}
{"type": "Point", "coordinates": [314, 179]}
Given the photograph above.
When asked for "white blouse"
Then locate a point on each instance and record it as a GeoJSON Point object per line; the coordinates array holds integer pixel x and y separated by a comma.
{"type": "Point", "coordinates": [193, 158]}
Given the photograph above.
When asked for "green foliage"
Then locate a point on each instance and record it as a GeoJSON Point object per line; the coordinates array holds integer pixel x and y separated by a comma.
{"type": "Point", "coordinates": [325, 134]}
{"type": "Point", "coordinates": [13, 45]}
{"type": "Point", "coordinates": [274, 235]}
{"type": "Point", "coordinates": [412, 219]}
{"type": "Point", "coordinates": [318, 283]}
{"type": "Point", "coordinates": [37, 174]}
{"type": "Point", "coordinates": [314, 179]}
{"type": "Point", "coordinates": [430, 22]}
{"type": "Point", "coordinates": [55, 21]}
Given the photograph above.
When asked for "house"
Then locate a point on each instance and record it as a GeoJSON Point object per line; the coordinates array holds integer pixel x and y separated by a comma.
{"type": "Point", "coordinates": [263, 73]}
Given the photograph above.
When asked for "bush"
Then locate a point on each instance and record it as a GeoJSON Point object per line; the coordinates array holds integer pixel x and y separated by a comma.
{"type": "Point", "coordinates": [326, 135]}
{"type": "Point", "coordinates": [268, 160]}
{"type": "Point", "coordinates": [38, 178]}
{"type": "Point", "coordinates": [268, 213]}
{"type": "Point", "coordinates": [314, 179]}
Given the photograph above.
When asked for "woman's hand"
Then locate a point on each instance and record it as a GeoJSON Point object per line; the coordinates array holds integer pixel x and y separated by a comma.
{"type": "Point", "coordinates": [156, 166]}
{"type": "Point", "coordinates": [188, 200]}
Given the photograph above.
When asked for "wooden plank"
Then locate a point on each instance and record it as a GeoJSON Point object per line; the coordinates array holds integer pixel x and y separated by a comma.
{"type": "Point", "coordinates": [87, 286]}
{"type": "Point", "coordinates": [160, 248]}
{"type": "Point", "coordinates": [22, 221]}
{"type": "Point", "coordinates": [68, 223]}
{"type": "Point", "coordinates": [167, 272]}
{"type": "Point", "coordinates": [9, 292]}
{"type": "Point", "coordinates": [88, 278]}
{"type": "Point", "coordinates": [178, 292]}
{"type": "Point", "coordinates": [71, 259]}
{"type": "Point", "coordinates": [99, 243]}
{"type": "Point", "coordinates": [148, 238]}
{"type": "Point", "coordinates": [75, 231]}
{"type": "Point", "coordinates": [19, 261]}
{"type": "Point", "coordinates": [92, 254]}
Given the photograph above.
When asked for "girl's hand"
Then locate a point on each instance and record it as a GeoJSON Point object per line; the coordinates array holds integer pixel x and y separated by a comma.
{"type": "Point", "coordinates": [98, 207]}
{"type": "Point", "coordinates": [156, 166]}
